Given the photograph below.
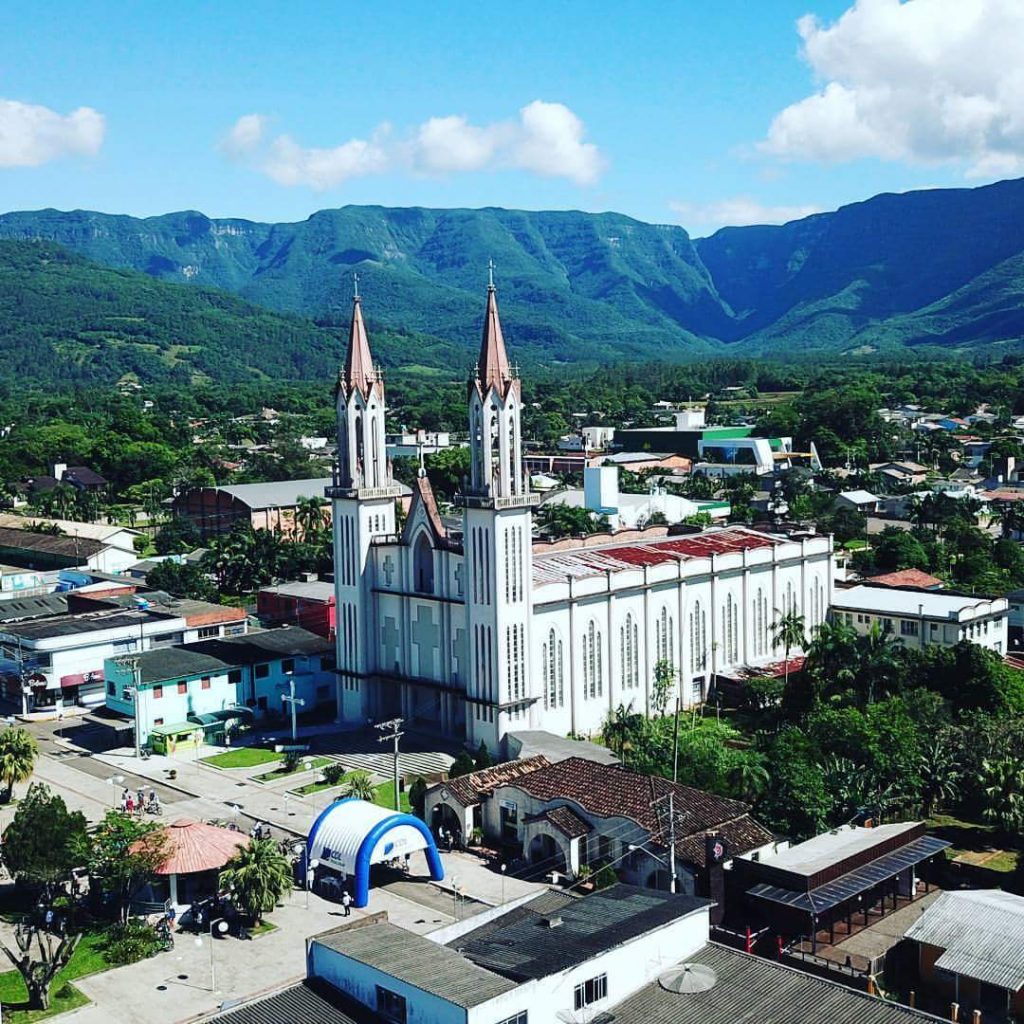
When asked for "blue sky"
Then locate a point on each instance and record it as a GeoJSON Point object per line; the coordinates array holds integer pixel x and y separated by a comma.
{"type": "Point", "coordinates": [699, 112]}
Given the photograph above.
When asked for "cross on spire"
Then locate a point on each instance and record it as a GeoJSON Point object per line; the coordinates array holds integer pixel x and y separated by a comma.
{"type": "Point", "coordinates": [355, 286]}
{"type": "Point", "coordinates": [490, 274]}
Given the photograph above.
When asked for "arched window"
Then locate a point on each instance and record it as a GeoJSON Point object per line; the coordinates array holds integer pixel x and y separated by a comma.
{"type": "Point", "coordinates": [698, 638]}
{"type": "Point", "coordinates": [629, 643]}
{"type": "Point", "coordinates": [423, 565]}
{"type": "Point", "coordinates": [592, 672]}
{"type": "Point", "coordinates": [551, 656]}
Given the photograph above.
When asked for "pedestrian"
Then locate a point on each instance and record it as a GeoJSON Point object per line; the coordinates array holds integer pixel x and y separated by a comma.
{"type": "Point", "coordinates": [129, 804]}
{"type": "Point", "coordinates": [171, 915]}
{"type": "Point", "coordinates": [124, 799]}
{"type": "Point", "coordinates": [346, 903]}
{"type": "Point", "coordinates": [49, 918]}
{"type": "Point", "coordinates": [140, 797]}
{"type": "Point", "coordinates": [449, 839]}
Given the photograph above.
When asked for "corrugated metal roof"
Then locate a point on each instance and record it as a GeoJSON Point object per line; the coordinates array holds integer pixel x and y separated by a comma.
{"type": "Point", "coordinates": [980, 931]}
{"type": "Point", "coordinates": [310, 1002]}
{"type": "Point", "coordinates": [750, 990]}
{"type": "Point", "coordinates": [522, 945]}
{"type": "Point", "coordinates": [418, 962]}
{"type": "Point", "coordinates": [580, 563]}
{"type": "Point", "coordinates": [277, 494]}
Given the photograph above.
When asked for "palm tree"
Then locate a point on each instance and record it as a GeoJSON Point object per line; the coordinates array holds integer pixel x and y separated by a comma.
{"type": "Point", "coordinates": [748, 777]}
{"type": "Point", "coordinates": [360, 785]}
{"type": "Point", "coordinates": [259, 875]}
{"type": "Point", "coordinates": [939, 773]}
{"type": "Point", "coordinates": [1002, 781]}
{"type": "Point", "coordinates": [877, 655]}
{"type": "Point", "coordinates": [790, 632]}
{"type": "Point", "coordinates": [309, 517]}
{"type": "Point", "coordinates": [17, 758]}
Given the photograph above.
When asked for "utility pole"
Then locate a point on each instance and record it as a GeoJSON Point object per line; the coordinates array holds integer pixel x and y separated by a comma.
{"type": "Point", "coordinates": [295, 702]}
{"type": "Point", "coordinates": [675, 745]}
{"type": "Point", "coordinates": [670, 799]}
{"type": "Point", "coordinates": [394, 725]}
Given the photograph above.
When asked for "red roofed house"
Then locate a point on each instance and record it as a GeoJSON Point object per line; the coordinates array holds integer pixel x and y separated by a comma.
{"type": "Point", "coordinates": [578, 812]}
{"type": "Point", "coordinates": [907, 578]}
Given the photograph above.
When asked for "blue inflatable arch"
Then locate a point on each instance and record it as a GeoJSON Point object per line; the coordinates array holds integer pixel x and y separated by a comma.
{"type": "Point", "coordinates": [345, 835]}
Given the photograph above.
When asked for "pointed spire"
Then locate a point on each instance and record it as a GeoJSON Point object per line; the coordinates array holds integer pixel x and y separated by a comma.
{"type": "Point", "coordinates": [493, 368]}
{"type": "Point", "coordinates": [359, 371]}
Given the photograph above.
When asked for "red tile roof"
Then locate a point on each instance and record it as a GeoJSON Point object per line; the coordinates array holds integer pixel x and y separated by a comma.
{"type": "Point", "coordinates": [472, 788]}
{"type": "Point", "coordinates": [195, 846]}
{"type": "Point", "coordinates": [566, 820]}
{"type": "Point", "coordinates": [595, 561]}
{"type": "Point", "coordinates": [907, 578]}
{"type": "Point", "coordinates": [610, 791]}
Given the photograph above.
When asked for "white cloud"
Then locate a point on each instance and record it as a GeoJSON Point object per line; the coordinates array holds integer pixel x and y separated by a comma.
{"type": "Point", "coordinates": [550, 142]}
{"type": "Point", "coordinates": [921, 81]}
{"type": "Point", "coordinates": [545, 139]}
{"type": "Point", "coordinates": [736, 212]}
{"type": "Point", "coordinates": [31, 135]}
{"type": "Point", "coordinates": [245, 136]}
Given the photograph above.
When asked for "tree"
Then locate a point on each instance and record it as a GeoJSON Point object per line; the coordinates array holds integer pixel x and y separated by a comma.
{"type": "Point", "coordinates": [556, 520]}
{"type": "Point", "coordinates": [258, 875]}
{"type": "Point", "coordinates": [177, 537]}
{"type": "Point", "coordinates": [310, 517]}
{"type": "Point", "coordinates": [42, 842]}
{"type": "Point", "coordinates": [939, 771]}
{"type": "Point", "coordinates": [483, 757]}
{"type": "Point", "coordinates": [462, 765]}
{"type": "Point", "coordinates": [789, 632]}
{"type": "Point", "coordinates": [1002, 780]}
{"type": "Point", "coordinates": [446, 470]}
{"type": "Point", "coordinates": [122, 854]}
{"type": "Point", "coordinates": [18, 752]}
{"type": "Point", "coordinates": [418, 797]}
{"type": "Point", "coordinates": [359, 784]}
{"type": "Point", "coordinates": [182, 579]}
{"type": "Point", "coordinates": [896, 549]}
{"type": "Point", "coordinates": [661, 687]}
{"type": "Point", "coordinates": [38, 973]}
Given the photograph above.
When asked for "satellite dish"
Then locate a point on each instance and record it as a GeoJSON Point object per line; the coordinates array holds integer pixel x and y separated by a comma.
{"type": "Point", "coordinates": [688, 978]}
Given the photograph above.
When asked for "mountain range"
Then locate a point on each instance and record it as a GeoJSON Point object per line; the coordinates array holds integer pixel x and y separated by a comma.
{"type": "Point", "coordinates": [936, 270]}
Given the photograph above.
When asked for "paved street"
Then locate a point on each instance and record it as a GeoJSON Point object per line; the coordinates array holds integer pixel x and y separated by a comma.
{"type": "Point", "coordinates": [176, 986]}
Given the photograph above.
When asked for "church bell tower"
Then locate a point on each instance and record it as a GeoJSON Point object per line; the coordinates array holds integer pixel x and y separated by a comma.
{"type": "Point", "coordinates": [498, 544]}
{"type": "Point", "coordinates": [363, 507]}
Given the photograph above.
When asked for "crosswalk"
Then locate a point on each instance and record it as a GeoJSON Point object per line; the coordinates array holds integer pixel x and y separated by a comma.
{"type": "Point", "coordinates": [382, 764]}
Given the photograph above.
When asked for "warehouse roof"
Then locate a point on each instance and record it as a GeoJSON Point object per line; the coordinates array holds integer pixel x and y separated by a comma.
{"type": "Point", "coordinates": [932, 604]}
{"type": "Point", "coordinates": [522, 944]}
{"type": "Point", "coordinates": [310, 1002]}
{"type": "Point", "coordinates": [278, 493]}
{"type": "Point", "coordinates": [980, 931]}
{"type": "Point", "coordinates": [79, 548]}
{"type": "Point", "coordinates": [417, 961]}
{"type": "Point", "coordinates": [749, 988]}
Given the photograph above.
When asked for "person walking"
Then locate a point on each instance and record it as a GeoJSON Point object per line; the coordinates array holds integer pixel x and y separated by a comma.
{"type": "Point", "coordinates": [346, 903]}
{"type": "Point", "coordinates": [129, 804]}
{"type": "Point", "coordinates": [124, 799]}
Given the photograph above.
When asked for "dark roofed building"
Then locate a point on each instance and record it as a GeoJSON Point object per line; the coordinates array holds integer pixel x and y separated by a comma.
{"type": "Point", "coordinates": [577, 812]}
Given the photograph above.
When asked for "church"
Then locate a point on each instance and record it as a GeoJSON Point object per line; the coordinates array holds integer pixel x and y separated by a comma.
{"type": "Point", "coordinates": [486, 631]}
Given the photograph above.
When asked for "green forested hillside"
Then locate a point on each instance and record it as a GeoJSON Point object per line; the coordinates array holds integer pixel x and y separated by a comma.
{"type": "Point", "coordinates": [65, 319]}
{"type": "Point", "coordinates": [939, 270]}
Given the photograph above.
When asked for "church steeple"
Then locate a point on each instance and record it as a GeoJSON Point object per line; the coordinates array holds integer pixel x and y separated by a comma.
{"type": "Point", "coordinates": [493, 369]}
{"type": "Point", "coordinates": [494, 426]}
{"type": "Point", "coordinates": [362, 452]}
{"type": "Point", "coordinates": [359, 373]}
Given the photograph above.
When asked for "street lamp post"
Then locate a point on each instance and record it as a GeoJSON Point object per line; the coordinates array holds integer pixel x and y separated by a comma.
{"type": "Point", "coordinates": [114, 781]}
{"type": "Point", "coordinates": [310, 877]}
{"type": "Point", "coordinates": [218, 926]}
{"type": "Point", "coordinates": [504, 868]}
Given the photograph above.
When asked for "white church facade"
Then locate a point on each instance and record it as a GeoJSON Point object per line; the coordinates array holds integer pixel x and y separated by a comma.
{"type": "Point", "coordinates": [486, 631]}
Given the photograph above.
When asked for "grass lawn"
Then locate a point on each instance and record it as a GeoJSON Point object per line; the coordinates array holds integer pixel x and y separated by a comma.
{"type": "Point", "coordinates": [384, 794]}
{"type": "Point", "coordinates": [283, 772]}
{"type": "Point", "coordinates": [976, 843]}
{"type": "Point", "coordinates": [87, 959]}
{"type": "Point", "coordinates": [242, 757]}
{"type": "Point", "coordinates": [263, 928]}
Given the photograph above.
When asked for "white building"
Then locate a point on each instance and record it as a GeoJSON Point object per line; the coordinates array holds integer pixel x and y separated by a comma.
{"type": "Point", "coordinates": [412, 444]}
{"type": "Point", "coordinates": [620, 954]}
{"type": "Point", "coordinates": [480, 632]}
{"type": "Point", "coordinates": [600, 494]}
{"type": "Point", "coordinates": [919, 618]}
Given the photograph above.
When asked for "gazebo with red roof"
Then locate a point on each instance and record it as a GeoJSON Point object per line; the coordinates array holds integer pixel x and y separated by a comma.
{"type": "Point", "coordinates": [196, 852]}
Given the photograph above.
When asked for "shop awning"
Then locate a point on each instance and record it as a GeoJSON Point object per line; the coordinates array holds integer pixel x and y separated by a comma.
{"type": "Point", "coordinates": [214, 719]}
{"type": "Point", "coordinates": [81, 678]}
{"type": "Point", "coordinates": [855, 883]}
